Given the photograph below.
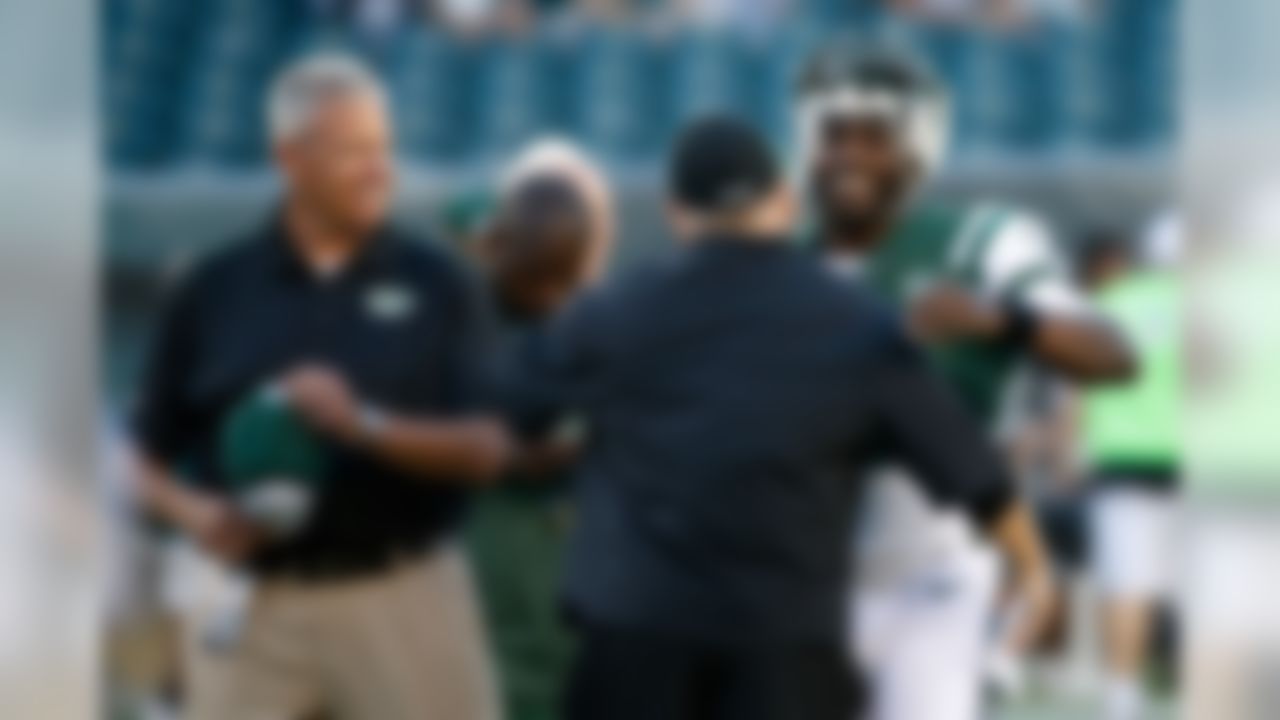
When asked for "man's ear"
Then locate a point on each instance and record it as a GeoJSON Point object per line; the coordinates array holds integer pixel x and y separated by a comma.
{"type": "Point", "coordinates": [287, 155]}
{"type": "Point", "coordinates": [780, 211]}
{"type": "Point", "coordinates": [600, 209]}
{"type": "Point", "coordinates": [790, 205]}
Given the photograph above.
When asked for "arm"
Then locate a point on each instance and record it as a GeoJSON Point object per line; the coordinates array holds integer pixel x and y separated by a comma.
{"type": "Point", "coordinates": [1027, 299]}
{"type": "Point", "coordinates": [1014, 532]}
{"type": "Point", "coordinates": [1024, 269]}
{"type": "Point", "coordinates": [472, 449]}
{"type": "Point", "coordinates": [162, 428]}
{"type": "Point", "coordinates": [546, 398]}
{"type": "Point", "coordinates": [460, 442]}
{"type": "Point", "coordinates": [1083, 348]}
{"type": "Point", "coordinates": [210, 521]}
{"type": "Point", "coordinates": [541, 398]}
{"type": "Point", "coordinates": [922, 424]}
{"type": "Point", "coordinates": [543, 461]}
{"type": "Point", "coordinates": [928, 429]}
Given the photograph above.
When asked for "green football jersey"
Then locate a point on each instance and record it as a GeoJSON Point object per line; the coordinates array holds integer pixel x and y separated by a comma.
{"type": "Point", "coordinates": [992, 250]}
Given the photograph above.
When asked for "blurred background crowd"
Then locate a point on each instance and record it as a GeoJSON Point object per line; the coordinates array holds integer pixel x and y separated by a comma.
{"type": "Point", "coordinates": [1043, 80]}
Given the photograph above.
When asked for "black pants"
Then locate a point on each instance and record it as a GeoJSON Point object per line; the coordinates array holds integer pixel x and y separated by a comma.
{"type": "Point", "coordinates": [628, 675]}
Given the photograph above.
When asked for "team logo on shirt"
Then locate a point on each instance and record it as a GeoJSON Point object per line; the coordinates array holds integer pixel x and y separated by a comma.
{"type": "Point", "coordinates": [389, 302]}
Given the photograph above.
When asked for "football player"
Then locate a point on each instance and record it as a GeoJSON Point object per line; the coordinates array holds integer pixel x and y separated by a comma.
{"type": "Point", "coordinates": [983, 287]}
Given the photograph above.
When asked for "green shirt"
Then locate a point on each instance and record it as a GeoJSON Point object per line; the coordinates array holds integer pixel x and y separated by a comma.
{"type": "Point", "coordinates": [992, 250]}
{"type": "Point", "coordinates": [516, 539]}
{"type": "Point", "coordinates": [1135, 424]}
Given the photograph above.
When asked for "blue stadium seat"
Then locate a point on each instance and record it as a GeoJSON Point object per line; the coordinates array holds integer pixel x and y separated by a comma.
{"type": "Point", "coordinates": [955, 53]}
{"type": "Point", "coordinates": [619, 109]}
{"type": "Point", "coordinates": [225, 119]}
{"type": "Point", "coordinates": [140, 125]}
{"type": "Point", "coordinates": [146, 52]}
{"type": "Point", "coordinates": [1084, 102]}
{"type": "Point", "coordinates": [429, 85]}
{"type": "Point", "coordinates": [771, 69]}
{"type": "Point", "coordinates": [185, 80]}
{"type": "Point", "coordinates": [845, 14]}
{"type": "Point", "coordinates": [1020, 90]}
{"type": "Point", "coordinates": [1136, 46]}
{"type": "Point", "coordinates": [515, 103]}
{"type": "Point", "coordinates": [224, 107]}
{"type": "Point", "coordinates": [561, 68]}
{"type": "Point", "coordinates": [1158, 65]}
{"type": "Point", "coordinates": [751, 78]}
{"type": "Point", "coordinates": [705, 75]}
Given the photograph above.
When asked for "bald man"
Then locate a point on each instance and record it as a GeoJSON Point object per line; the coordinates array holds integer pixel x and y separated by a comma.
{"type": "Point", "coordinates": [547, 237]}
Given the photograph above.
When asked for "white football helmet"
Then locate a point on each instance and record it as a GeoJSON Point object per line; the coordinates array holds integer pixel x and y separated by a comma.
{"type": "Point", "coordinates": [865, 80]}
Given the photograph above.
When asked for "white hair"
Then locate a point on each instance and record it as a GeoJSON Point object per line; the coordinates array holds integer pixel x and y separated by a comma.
{"type": "Point", "coordinates": [551, 156]}
{"type": "Point", "coordinates": [302, 87]}
{"type": "Point", "coordinates": [562, 158]}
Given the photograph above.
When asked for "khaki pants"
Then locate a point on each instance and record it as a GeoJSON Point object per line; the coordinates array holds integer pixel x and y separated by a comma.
{"type": "Point", "coordinates": [403, 645]}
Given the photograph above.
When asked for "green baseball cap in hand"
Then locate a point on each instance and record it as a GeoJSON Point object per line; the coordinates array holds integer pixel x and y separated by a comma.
{"type": "Point", "coordinates": [273, 463]}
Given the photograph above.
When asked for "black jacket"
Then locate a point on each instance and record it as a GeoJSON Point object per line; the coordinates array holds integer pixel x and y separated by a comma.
{"type": "Point", "coordinates": [731, 394]}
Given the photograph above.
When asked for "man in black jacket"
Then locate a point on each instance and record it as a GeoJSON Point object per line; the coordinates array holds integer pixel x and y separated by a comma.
{"type": "Point", "coordinates": [732, 392]}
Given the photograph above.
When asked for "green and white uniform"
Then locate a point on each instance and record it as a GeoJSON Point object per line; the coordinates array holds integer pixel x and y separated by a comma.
{"type": "Point", "coordinates": [925, 595]}
{"type": "Point", "coordinates": [997, 252]}
{"type": "Point", "coordinates": [927, 583]}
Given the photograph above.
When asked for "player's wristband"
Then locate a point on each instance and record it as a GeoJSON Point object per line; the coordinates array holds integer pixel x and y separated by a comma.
{"type": "Point", "coordinates": [1021, 325]}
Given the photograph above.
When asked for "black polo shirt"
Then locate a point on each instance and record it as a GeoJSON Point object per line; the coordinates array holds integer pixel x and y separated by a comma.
{"type": "Point", "coordinates": [398, 322]}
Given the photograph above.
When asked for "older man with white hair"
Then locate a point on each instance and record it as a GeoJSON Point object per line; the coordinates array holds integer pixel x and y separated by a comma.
{"type": "Point", "coordinates": [334, 354]}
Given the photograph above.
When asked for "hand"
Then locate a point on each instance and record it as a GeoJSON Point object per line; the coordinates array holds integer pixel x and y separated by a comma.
{"type": "Point", "coordinates": [219, 529]}
{"type": "Point", "coordinates": [1031, 613]}
{"type": "Point", "coordinates": [1032, 607]}
{"type": "Point", "coordinates": [324, 400]}
{"type": "Point", "coordinates": [539, 461]}
{"type": "Point", "coordinates": [946, 311]}
{"type": "Point", "coordinates": [474, 449]}
{"type": "Point", "coordinates": [1005, 675]}
{"type": "Point", "coordinates": [1034, 602]}
{"type": "Point", "coordinates": [1033, 588]}
{"type": "Point", "coordinates": [492, 448]}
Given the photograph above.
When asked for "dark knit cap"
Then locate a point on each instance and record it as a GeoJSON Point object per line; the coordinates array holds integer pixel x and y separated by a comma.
{"type": "Point", "coordinates": [720, 165]}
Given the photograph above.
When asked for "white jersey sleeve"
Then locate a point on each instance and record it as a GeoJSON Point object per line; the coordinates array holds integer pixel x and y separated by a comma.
{"type": "Point", "coordinates": [1021, 260]}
